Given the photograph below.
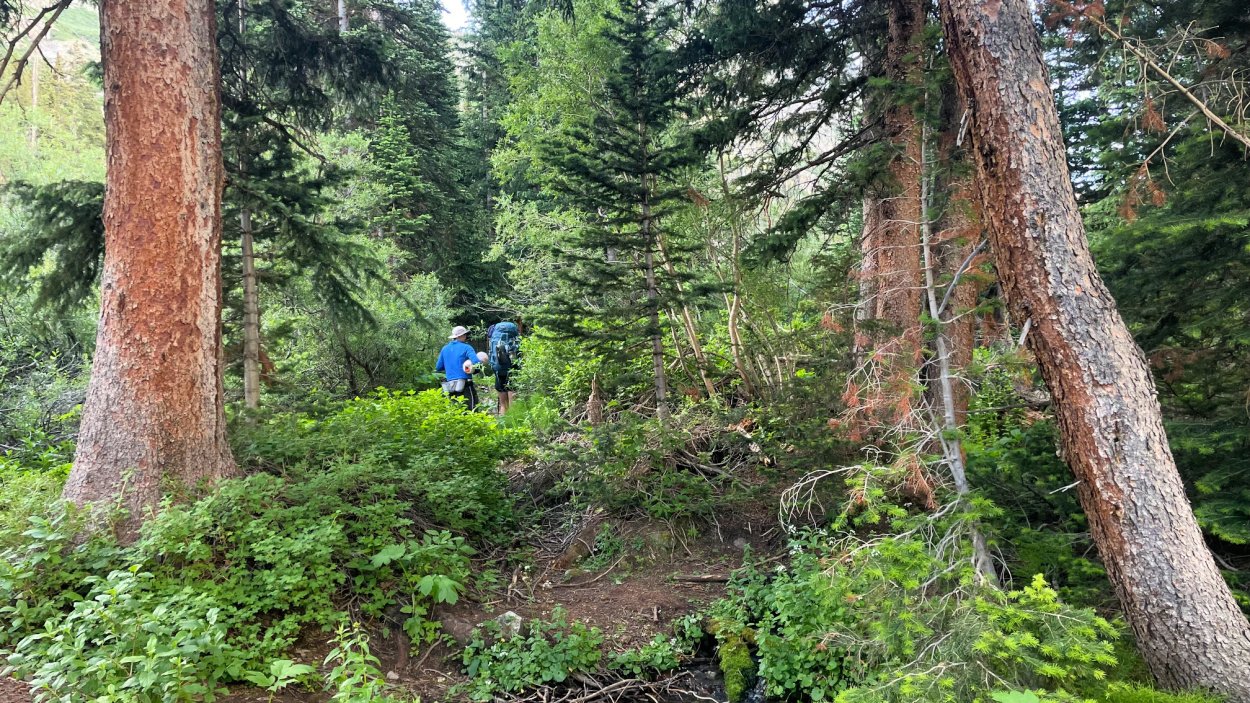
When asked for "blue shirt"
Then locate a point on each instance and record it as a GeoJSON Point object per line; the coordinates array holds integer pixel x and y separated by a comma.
{"type": "Point", "coordinates": [451, 359]}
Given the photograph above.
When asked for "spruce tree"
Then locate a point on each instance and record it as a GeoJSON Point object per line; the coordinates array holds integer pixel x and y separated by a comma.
{"type": "Point", "coordinates": [398, 172]}
{"type": "Point", "coordinates": [622, 171]}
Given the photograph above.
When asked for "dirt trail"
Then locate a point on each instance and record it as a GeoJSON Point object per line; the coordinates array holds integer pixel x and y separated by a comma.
{"type": "Point", "coordinates": [13, 691]}
{"type": "Point", "coordinates": [661, 575]}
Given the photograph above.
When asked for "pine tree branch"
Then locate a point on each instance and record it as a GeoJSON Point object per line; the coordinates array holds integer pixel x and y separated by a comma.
{"type": "Point", "coordinates": [960, 272]}
{"type": "Point", "coordinates": [1143, 56]}
{"type": "Point", "coordinates": [51, 13]}
{"type": "Point", "coordinates": [289, 134]}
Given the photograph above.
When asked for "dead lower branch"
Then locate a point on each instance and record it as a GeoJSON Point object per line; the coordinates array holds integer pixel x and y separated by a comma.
{"type": "Point", "coordinates": [42, 22]}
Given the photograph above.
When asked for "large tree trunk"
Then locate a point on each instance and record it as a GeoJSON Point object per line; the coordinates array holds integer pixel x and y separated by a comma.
{"type": "Point", "coordinates": [153, 419]}
{"type": "Point", "coordinates": [890, 272]}
{"type": "Point", "coordinates": [1190, 630]}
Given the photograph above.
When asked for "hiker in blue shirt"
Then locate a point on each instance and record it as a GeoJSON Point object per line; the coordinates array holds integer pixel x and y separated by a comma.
{"type": "Point", "coordinates": [456, 362]}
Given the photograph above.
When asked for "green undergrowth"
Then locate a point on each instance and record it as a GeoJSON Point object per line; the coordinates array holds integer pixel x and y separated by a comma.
{"type": "Point", "coordinates": [885, 620]}
{"type": "Point", "coordinates": [548, 652]}
{"type": "Point", "coordinates": [686, 469]}
{"type": "Point", "coordinates": [381, 503]}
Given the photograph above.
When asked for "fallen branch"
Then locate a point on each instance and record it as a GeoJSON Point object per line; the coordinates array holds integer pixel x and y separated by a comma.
{"type": "Point", "coordinates": [587, 583]}
{"type": "Point", "coordinates": [701, 578]}
{"type": "Point", "coordinates": [615, 691]}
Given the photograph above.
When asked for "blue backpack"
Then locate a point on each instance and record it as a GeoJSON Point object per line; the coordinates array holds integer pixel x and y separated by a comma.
{"type": "Point", "coordinates": [506, 335]}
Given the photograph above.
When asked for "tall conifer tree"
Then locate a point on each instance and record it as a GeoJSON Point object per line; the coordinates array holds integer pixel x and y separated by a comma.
{"type": "Point", "coordinates": [153, 419]}
{"type": "Point", "coordinates": [1189, 628]}
{"type": "Point", "coordinates": [622, 172]}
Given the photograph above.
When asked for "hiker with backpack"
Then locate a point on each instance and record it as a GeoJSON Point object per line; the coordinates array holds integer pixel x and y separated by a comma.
{"type": "Point", "coordinates": [456, 361]}
{"type": "Point", "coordinates": [505, 352]}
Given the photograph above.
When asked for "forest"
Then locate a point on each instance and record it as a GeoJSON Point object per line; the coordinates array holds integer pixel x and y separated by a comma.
{"type": "Point", "coordinates": [573, 351]}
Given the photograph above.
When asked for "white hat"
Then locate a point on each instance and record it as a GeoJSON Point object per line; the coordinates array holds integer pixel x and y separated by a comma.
{"type": "Point", "coordinates": [458, 331]}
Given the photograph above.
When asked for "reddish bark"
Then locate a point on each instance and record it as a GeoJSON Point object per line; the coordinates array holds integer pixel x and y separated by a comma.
{"type": "Point", "coordinates": [890, 272]}
{"type": "Point", "coordinates": [1189, 629]}
{"type": "Point", "coordinates": [153, 420]}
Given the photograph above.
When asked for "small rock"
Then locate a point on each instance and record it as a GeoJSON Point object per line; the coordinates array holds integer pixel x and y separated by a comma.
{"type": "Point", "coordinates": [392, 676]}
{"type": "Point", "coordinates": [509, 624]}
{"type": "Point", "coordinates": [740, 543]}
{"type": "Point", "coordinates": [659, 538]}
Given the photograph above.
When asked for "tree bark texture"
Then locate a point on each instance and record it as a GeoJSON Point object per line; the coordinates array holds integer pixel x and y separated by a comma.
{"type": "Point", "coordinates": [890, 273]}
{"type": "Point", "coordinates": [1189, 629]}
{"type": "Point", "coordinates": [251, 314]}
{"type": "Point", "coordinates": [153, 420]}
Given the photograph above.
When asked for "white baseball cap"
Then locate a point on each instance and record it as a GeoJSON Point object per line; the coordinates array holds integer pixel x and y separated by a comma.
{"type": "Point", "coordinates": [458, 331]}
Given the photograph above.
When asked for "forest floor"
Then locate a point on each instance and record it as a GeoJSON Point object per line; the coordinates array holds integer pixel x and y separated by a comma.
{"type": "Point", "coordinates": [13, 691]}
{"type": "Point", "coordinates": [658, 573]}
{"type": "Point", "coordinates": [661, 574]}
{"type": "Point", "coordinates": [635, 584]}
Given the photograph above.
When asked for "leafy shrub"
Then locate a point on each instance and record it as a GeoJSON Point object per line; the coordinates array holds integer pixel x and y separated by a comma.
{"type": "Point", "coordinates": [355, 676]}
{"type": "Point", "coordinates": [280, 674]}
{"type": "Point", "coordinates": [659, 655]}
{"type": "Point", "coordinates": [416, 448]}
{"type": "Point", "coordinates": [548, 652]}
{"type": "Point", "coordinates": [286, 561]}
{"type": "Point", "coordinates": [43, 573]}
{"type": "Point", "coordinates": [25, 492]}
{"type": "Point", "coordinates": [377, 504]}
{"type": "Point", "coordinates": [131, 643]}
{"type": "Point", "coordinates": [545, 652]}
{"type": "Point", "coordinates": [432, 571]}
